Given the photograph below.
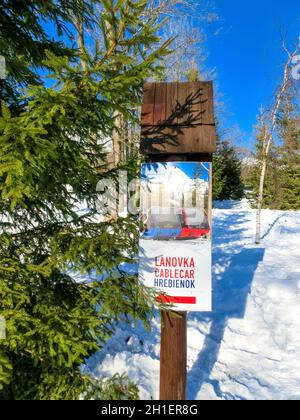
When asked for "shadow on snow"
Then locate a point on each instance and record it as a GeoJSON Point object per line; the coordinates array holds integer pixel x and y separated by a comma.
{"type": "Point", "coordinates": [231, 288]}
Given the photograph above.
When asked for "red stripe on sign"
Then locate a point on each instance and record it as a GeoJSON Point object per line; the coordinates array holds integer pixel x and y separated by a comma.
{"type": "Point", "coordinates": [177, 300]}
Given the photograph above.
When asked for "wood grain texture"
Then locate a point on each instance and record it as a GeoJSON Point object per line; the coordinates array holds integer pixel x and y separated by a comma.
{"type": "Point", "coordinates": [172, 104]}
{"type": "Point", "coordinates": [178, 104]}
{"type": "Point", "coordinates": [207, 103]}
{"type": "Point", "coordinates": [147, 117]}
{"type": "Point", "coordinates": [173, 356]}
{"type": "Point", "coordinates": [190, 103]}
{"type": "Point", "coordinates": [178, 140]}
{"type": "Point", "coordinates": [160, 104]}
{"type": "Point", "coordinates": [178, 118]}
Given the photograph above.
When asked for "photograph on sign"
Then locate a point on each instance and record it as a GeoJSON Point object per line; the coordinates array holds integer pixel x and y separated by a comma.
{"type": "Point", "coordinates": [175, 246]}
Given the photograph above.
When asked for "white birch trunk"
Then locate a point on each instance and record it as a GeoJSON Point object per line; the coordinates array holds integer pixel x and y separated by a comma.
{"type": "Point", "coordinates": [268, 141]}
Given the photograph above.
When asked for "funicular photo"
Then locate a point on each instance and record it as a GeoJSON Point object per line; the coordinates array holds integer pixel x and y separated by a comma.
{"type": "Point", "coordinates": [175, 201]}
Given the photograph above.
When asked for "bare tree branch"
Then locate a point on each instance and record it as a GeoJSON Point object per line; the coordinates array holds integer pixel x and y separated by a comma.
{"type": "Point", "coordinates": [269, 135]}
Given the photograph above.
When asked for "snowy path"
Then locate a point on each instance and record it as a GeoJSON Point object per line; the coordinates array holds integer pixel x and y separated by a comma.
{"type": "Point", "coordinates": [249, 348]}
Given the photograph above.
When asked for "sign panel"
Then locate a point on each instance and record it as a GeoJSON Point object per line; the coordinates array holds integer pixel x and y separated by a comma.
{"type": "Point", "coordinates": [175, 247]}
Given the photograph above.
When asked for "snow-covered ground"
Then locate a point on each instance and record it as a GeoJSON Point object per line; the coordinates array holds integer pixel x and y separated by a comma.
{"type": "Point", "coordinates": [249, 347]}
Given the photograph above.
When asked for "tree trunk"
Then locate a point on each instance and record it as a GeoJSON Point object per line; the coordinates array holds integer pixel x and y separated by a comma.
{"type": "Point", "coordinates": [81, 45]}
{"type": "Point", "coordinates": [260, 200]}
{"type": "Point", "coordinates": [117, 134]}
{"type": "Point", "coordinates": [79, 25]}
{"type": "Point", "coordinates": [118, 139]}
{"type": "Point", "coordinates": [269, 139]}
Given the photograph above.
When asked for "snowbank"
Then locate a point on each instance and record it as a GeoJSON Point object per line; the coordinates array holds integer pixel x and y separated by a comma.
{"type": "Point", "coordinates": [249, 348]}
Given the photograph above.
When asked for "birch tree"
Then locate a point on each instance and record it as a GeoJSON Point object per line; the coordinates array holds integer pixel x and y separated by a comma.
{"type": "Point", "coordinates": [269, 135]}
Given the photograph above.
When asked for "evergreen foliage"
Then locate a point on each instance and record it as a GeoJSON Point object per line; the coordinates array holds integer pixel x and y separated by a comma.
{"type": "Point", "coordinates": [227, 173]}
{"type": "Point", "coordinates": [289, 133]}
{"type": "Point", "coordinates": [24, 41]}
{"type": "Point", "coordinates": [50, 161]}
{"type": "Point", "coordinates": [282, 186]}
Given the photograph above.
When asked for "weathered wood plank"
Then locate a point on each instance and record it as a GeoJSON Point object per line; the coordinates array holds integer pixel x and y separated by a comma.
{"type": "Point", "coordinates": [178, 118]}
{"type": "Point", "coordinates": [178, 140]}
{"type": "Point", "coordinates": [187, 157]}
{"type": "Point", "coordinates": [190, 103]}
{"type": "Point", "coordinates": [207, 103]}
{"type": "Point", "coordinates": [195, 92]}
{"type": "Point", "coordinates": [172, 103]}
{"type": "Point", "coordinates": [147, 117]}
{"type": "Point", "coordinates": [160, 104]}
{"type": "Point", "coordinates": [183, 107]}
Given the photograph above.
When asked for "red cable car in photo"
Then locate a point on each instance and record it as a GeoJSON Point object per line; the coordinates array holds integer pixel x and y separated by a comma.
{"type": "Point", "coordinates": [193, 227]}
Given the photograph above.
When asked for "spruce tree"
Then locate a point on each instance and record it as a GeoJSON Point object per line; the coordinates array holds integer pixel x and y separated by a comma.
{"type": "Point", "coordinates": [289, 134]}
{"type": "Point", "coordinates": [24, 40]}
{"type": "Point", "coordinates": [51, 159]}
{"type": "Point", "coordinates": [227, 173]}
{"type": "Point", "coordinates": [282, 187]}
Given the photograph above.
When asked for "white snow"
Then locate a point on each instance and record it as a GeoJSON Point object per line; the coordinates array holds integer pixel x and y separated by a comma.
{"type": "Point", "coordinates": [249, 347]}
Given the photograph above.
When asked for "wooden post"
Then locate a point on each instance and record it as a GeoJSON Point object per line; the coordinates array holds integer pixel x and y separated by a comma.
{"type": "Point", "coordinates": [177, 125]}
{"type": "Point", "coordinates": [173, 348]}
{"type": "Point", "coordinates": [173, 356]}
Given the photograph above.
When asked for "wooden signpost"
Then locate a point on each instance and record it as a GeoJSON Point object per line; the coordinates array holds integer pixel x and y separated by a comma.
{"type": "Point", "coordinates": [178, 125]}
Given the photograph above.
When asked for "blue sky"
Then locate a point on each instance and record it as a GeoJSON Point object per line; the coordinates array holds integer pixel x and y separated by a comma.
{"type": "Point", "coordinates": [153, 170]}
{"type": "Point", "coordinates": [189, 169]}
{"type": "Point", "coordinates": [247, 53]}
